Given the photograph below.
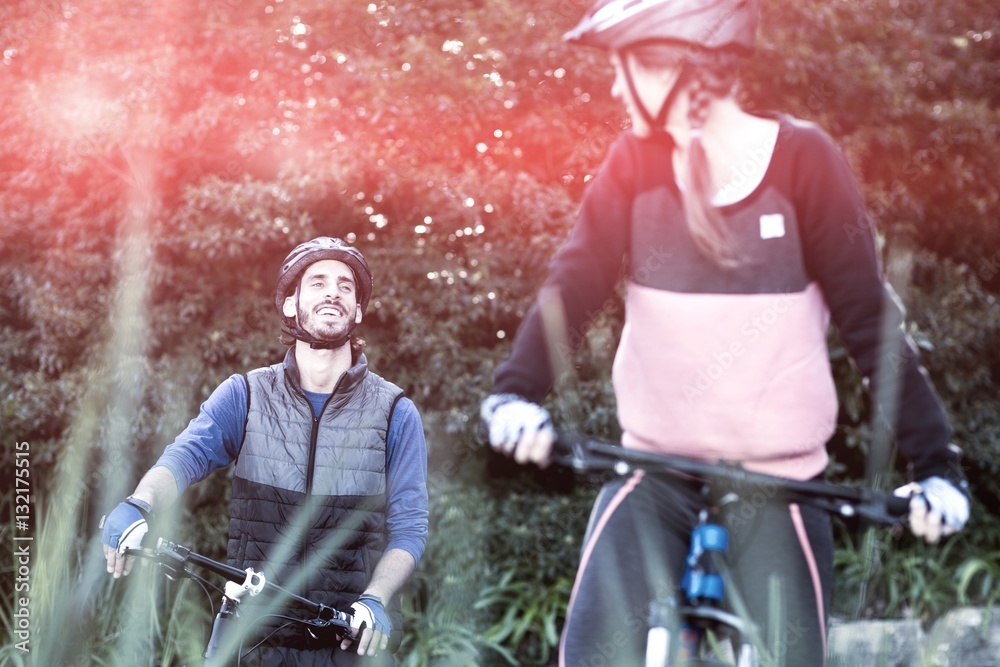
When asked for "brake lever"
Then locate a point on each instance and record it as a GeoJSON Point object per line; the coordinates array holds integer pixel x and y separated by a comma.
{"type": "Point", "coordinates": [573, 453]}
{"type": "Point", "coordinates": [330, 620]}
{"type": "Point", "coordinates": [334, 616]}
{"type": "Point", "coordinates": [876, 510]}
{"type": "Point", "coordinates": [173, 563]}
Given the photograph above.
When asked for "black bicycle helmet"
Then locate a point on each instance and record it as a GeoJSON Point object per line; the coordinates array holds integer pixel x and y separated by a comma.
{"type": "Point", "coordinates": [709, 24]}
{"type": "Point", "coordinates": [304, 254]}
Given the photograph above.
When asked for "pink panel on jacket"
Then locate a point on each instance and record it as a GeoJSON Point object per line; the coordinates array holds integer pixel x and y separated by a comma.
{"type": "Point", "coordinates": [737, 377]}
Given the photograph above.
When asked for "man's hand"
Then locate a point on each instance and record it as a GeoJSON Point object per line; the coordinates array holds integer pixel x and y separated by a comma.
{"type": "Point", "coordinates": [937, 508]}
{"type": "Point", "coordinates": [370, 625]}
{"type": "Point", "coordinates": [519, 427]}
{"type": "Point", "coordinates": [123, 529]}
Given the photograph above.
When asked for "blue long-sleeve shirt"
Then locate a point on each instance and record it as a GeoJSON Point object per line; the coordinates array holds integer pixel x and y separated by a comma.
{"type": "Point", "coordinates": [212, 440]}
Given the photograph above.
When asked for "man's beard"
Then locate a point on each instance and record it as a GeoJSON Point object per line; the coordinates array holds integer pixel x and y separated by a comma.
{"type": "Point", "coordinates": [326, 331]}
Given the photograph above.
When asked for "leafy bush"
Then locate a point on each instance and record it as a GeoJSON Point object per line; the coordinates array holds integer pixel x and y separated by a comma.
{"type": "Point", "coordinates": [497, 571]}
{"type": "Point", "coordinates": [148, 200]}
{"type": "Point", "coordinates": [532, 615]}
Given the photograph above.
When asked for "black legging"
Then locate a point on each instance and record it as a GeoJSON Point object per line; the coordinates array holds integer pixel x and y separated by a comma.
{"type": "Point", "coordinates": [277, 656]}
{"type": "Point", "coordinates": [634, 552]}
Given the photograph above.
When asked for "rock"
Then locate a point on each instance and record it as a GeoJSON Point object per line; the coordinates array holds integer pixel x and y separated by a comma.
{"type": "Point", "coordinates": [964, 637]}
{"type": "Point", "coordinates": [874, 644]}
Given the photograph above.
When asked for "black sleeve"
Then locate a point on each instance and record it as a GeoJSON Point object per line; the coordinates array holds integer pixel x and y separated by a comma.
{"type": "Point", "coordinates": [583, 274]}
{"type": "Point", "coordinates": [841, 255]}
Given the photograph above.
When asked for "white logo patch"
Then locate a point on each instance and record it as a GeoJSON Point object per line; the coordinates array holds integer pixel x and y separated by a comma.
{"type": "Point", "coordinates": [772, 226]}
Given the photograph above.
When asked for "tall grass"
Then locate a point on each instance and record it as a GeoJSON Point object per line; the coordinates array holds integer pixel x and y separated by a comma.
{"type": "Point", "coordinates": [78, 614]}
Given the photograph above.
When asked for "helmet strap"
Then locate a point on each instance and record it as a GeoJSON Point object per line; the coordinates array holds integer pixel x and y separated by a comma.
{"type": "Point", "coordinates": [659, 123]}
{"type": "Point", "coordinates": [298, 333]}
{"type": "Point", "coordinates": [293, 329]}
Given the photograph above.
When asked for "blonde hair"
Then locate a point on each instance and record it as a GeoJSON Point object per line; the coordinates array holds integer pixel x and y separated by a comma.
{"type": "Point", "coordinates": [712, 75]}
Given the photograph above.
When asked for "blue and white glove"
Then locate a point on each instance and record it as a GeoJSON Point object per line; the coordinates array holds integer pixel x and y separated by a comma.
{"type": "Point", "coordinates": [938, 508]}
{"type": "Point", "coordinates": [127, 524]}
{"type": "Point", "coordinates": [371, 624]}
{"type": "Point", "coordinates": [519, 427]}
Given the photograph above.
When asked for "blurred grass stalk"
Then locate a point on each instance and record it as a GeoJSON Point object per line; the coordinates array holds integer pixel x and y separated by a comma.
{"type": "Point", "coordinates": [74, 605]}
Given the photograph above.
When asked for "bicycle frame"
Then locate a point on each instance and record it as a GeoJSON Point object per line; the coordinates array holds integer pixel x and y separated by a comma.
{"type": "Point", "coordinates": [174, 559]}
{"type": "Point", "coordinates": [702, 586]}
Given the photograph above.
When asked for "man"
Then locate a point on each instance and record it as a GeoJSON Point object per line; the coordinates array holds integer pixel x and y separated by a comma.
{"type": "Point", "coordinates": [330, 472]}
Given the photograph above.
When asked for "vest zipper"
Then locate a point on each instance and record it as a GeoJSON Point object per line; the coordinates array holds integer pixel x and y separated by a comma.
{"type": "Point", "coordinates": [311, 467]}
{"type": "Point", "coordinates": [310, 470]}
{"type": "Point", "coordinates": [314, 441]}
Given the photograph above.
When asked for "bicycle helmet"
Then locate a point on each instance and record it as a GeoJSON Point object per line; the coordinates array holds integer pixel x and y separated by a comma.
{"type": "Point", "coordinates": [304, 254]}
{"type": "Point", "coordinates": [703, 28]}
{"type": "Point", "coordinates": [709, 24]}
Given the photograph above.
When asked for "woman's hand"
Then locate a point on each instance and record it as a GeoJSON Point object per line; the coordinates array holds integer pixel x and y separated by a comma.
{"type": "Point", "coordinates": [937, 508]}
{"type": "Point", "coordinates": [518, 427]}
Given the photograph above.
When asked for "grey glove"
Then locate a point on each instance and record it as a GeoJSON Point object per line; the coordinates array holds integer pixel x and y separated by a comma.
{"type": "Point", "coordinates": [937, 508]}
{"type": "Point", "coordinates": [519, 427]}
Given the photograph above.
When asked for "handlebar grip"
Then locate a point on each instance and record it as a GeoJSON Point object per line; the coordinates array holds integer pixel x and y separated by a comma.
{"type": "Point", "coordinates": [897, 506]}
{"type": "Point", "coordinates": [563, 445]}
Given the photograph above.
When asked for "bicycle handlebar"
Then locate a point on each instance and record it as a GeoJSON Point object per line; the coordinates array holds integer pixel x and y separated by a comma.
{"type": "Point", "coordinates": [587, 454]}
{"type": "Point", "coordinates": [174, 557]}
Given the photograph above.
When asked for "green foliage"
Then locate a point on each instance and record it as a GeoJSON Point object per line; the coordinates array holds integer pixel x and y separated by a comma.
{"type": "Point", "coordinates": [530, 586]}
{"type": "Point", "coordinates": [955, 324]}
{"type": "Point", "coordinates": [907, 90]}
{"type": "Point", "coordinates": [495, 577]}
{"type": "Point", "coordinates": [887, 575]}
{"type": "Point", "coordinates": [532, 616]}
{"type": "Point", "coordinates": [979, 580]}
{"type": "Point", "coordinates": [152, 186]}
{"type": "Point", "coordinates": [433, 639]}
{"type": "Point", "coordinates": [878, 579]}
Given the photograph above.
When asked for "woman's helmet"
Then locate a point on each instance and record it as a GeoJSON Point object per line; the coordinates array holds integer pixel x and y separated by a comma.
{"type": "Point", "coordinates": [703, 29]}
{"type": "Point", "coordinates": [709, 24]}
{"type": "Point", "coordinates": [308, 253]}
{"type": "Point", "coordinates": [703, 38]}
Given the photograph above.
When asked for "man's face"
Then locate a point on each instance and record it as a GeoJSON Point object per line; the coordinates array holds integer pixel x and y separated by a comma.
{"type": "Point", "coordinates": [326, 305]}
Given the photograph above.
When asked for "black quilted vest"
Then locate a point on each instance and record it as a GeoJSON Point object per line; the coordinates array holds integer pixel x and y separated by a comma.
{"type": "Point", "coordinates": [309, 495]}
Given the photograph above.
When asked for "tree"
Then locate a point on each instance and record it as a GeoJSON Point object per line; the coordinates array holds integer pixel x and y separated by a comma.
{"type": "Point", "coordinates": [159, 160]}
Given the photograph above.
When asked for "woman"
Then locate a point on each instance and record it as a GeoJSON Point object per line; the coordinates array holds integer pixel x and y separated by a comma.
{"type": "Point", "coordinates": [742, 235]}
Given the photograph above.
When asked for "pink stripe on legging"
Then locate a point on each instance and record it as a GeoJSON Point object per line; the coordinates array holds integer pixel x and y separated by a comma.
{"type": "Point", "coordinates": [626, 489]}
{"type": "Point", "coordinates": [800, 530]}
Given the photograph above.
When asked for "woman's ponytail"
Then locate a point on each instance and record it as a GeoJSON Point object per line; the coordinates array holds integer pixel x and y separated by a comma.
{"type": "Point", "coordinates": [705, 222]}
